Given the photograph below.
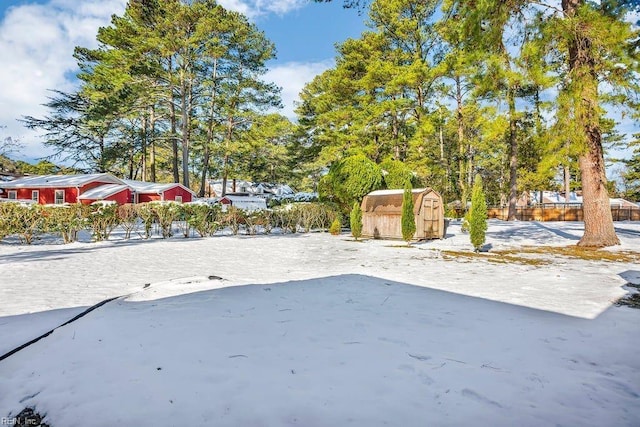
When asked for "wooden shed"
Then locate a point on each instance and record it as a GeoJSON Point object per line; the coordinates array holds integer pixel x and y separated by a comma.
{"type": "Point", "coordinates": [382, 214]}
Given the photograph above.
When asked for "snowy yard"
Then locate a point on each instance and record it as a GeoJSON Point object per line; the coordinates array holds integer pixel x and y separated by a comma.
{"type": "Point", "coordinates": [327, 332]}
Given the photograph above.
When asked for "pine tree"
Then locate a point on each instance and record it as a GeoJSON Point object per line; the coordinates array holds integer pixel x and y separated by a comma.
{"type": "Point", "coordinates": [356, 221]}
{"type": "Point", "coordinates": [478, 215]}
{"type": "Point", "coordinates": [335, 227]}
{"type": "Point", "coordinates": [408, 219]}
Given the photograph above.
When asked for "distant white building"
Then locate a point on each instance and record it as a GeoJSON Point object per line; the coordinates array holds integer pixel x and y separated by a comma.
{"type": "Point", "coordinates": [556, 197]}
{"type": "Point", "coordinates": [260, 189]}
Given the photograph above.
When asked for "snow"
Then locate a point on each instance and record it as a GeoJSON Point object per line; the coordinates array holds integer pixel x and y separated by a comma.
{"type": "Point", "coordinates": [102, 191]}
{"type": "Point", "coordinates": [153, 187]}
{"type": "Point", "coordinates": [317, 330]}
{"type": "Point", "coordinates": [52, 181]}
{"type": "Point", "coordinates": [393, 192]}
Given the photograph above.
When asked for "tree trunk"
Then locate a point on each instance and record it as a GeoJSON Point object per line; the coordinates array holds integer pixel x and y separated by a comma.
{"type": "Point", "coordinates": [184, 95]}
{"type": "Point", "coordinates": [513, 156]}
{"type": "Point", "coordinates": [209, 141]}
{"type": "Point", "coordinates": [143, 148]}
{"type": "Point", "coordinates": [225, 175]}
{"type": "Point", "coordinates": [205, 167]}
{"type": "Point", "coordinates": [152, 142]}
{"type": "Point", "coordinates": [598, 221]}
{"type": "Point", "coordinates": [566, 171]}
{"type": "Point", "coordinates": [461, 146]}
{"type": "Point", "coordinates": [174, 139]}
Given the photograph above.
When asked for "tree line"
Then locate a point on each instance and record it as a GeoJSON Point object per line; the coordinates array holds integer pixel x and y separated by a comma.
{"type": "Point", "coordinates": [173, 91]}
{"type": "Point", "coordinates": [516, 91]}
{"type": "Point", "coordinates": [433, 93]}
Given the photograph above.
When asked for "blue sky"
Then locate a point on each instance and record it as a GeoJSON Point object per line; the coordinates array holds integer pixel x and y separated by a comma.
{"type": "Point", "coordinates": [37, 38]}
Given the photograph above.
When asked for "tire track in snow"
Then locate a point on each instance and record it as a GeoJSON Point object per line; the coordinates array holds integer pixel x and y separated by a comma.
{"type": "Point", "coordinates": [46, 334]}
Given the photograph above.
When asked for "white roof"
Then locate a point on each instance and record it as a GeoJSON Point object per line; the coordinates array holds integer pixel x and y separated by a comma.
{"type": "Point", "coordinates": [102, 191]}
{"type": "Point", "coordinates": [247, 202]}
{"type": "Point", "coordinates": [390, 192]}
{"type": "Point", "coordinates": [153, 187]}
{"type": "Point", "coordinates": [57, 181]}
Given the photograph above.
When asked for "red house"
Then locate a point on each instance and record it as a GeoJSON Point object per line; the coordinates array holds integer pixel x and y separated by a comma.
{"type": "Point", "coordinates": [153, 191]}
{"type": "Point", "coordinates": [57, 189]}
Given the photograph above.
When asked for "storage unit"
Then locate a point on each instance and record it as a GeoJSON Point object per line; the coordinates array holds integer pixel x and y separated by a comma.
{"type": "Point", "coordinates": [382, 214]}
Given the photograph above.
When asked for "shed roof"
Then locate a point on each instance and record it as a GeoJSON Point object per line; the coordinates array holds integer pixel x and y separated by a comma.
{"type": "Point", "coordinates": [154, 187]}
{"type": "Point", "coordinates": [103, 191]}
{"type": "Point", "coordinates": [58, 181]}
{"type": "Point", "coordinates": [390, 201]}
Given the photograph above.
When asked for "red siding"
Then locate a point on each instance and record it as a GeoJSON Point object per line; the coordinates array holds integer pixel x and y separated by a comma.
{"type": "Point", "coordinates": [121, 197]}
{"type": "Point", "coordinates": [91, 185]}
{"type": "Point", "coordinates": [171, 194]}
{"type": "Point", "coordinates": [145, 198]}
{"type": "Point", "coordinates": [48, 195]}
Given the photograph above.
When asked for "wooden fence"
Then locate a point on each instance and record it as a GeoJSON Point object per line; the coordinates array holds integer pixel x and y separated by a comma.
{"type": "Point", "coordinates": [561, 212]}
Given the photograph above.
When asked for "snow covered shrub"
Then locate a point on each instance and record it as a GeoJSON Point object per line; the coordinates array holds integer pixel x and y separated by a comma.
{"type": "Point", "coordinates": [478, 215]}
{"type": "Point", "coordinates": [147, 215]}
{"type": "Point", "coordinates": [165, 214]}
{"type": "Point", "coordinates": [251, 221]}
{"type": "Point", "coordinates": [233, 218]}
{"type": "Point", "coordinates": [27, 221]}
{"type": "Point", "coordinates": [335, 227]}
{"type": "Point", "coordinates": [286, 218]}
{"type": "Point", "coordinates": [103, 218]}
{"type": "Point", "coordinates": [205, 219]}
{"type": "Point", "coordinates": [68, 220]}
{"type": "Point", "coordinates": [183, 213]}
{"type": "Point", "coordinates": [7, 211]}
{"type": "Point", "coordinates": [408, 219]}
{"type": "Point", "coordinates": [266, 220]}
{"type": "Point", "coordinates": [356, 221]}
{"type": "Point", "coordinates": [128, 216]}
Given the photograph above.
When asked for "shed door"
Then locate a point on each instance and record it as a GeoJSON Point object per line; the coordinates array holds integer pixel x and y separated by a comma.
{"type": "Point", "coordinates": [430, 209]}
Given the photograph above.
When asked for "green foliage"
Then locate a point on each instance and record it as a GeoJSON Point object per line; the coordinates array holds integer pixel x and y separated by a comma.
{"type": "Point", "coordinates": [147, 214]}
{"type": "Point", "coordinates": [477, 215]}
{"type": "Point", "coordinates": [68, 220]}
{"type": "Point", "coordinates": [355, 220]}
{"type": "Point", "coordinates": [233, 218]}
{"type": "Point", "coordinates": [128, 218]}
{"type": "Point", "coordinates": [408, 219]}
{"type": "Point", "coordinates": [335, 227]}
{"type": "Point", "coordinates": [170, 83]}
{"type": "Point", "coordinates": [349, 180]}
{"type": "Point", "coordinates": [205, 219]}
{"type": "Point", "coordinates": [27, 221]}
{"type": "Point", "coordinates": [397, 173]}
{"type": "Point", "coordinates": [103, 218]}
{"type": "Point", "coordinates": [631, 176]}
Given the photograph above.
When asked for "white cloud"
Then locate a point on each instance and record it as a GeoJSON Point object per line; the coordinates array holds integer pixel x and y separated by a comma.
{"type": "Point", "coordinates": [37, 43]}
{"type": "Point", "coordinates": [254, 8]}
{"type": "Point", "coordinates": [292, 77]}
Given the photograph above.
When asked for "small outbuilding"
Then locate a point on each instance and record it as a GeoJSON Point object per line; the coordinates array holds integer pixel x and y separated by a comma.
{"type": "Point", "coordinates": [118, 193]}
{"type": "Point", "coordinates": [382, 214]}
{"type": "Point", "coordinates": [152, 191]}
{"type": "Point", "coordinates": [245, 202]}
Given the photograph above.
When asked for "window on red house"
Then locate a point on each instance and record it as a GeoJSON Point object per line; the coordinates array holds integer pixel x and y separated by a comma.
{"type": "Point", "coordinates": [59, 200]}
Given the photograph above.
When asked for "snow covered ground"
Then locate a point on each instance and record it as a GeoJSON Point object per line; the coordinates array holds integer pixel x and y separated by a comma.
{"type": "Point", "coordinates": [330, 332]}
